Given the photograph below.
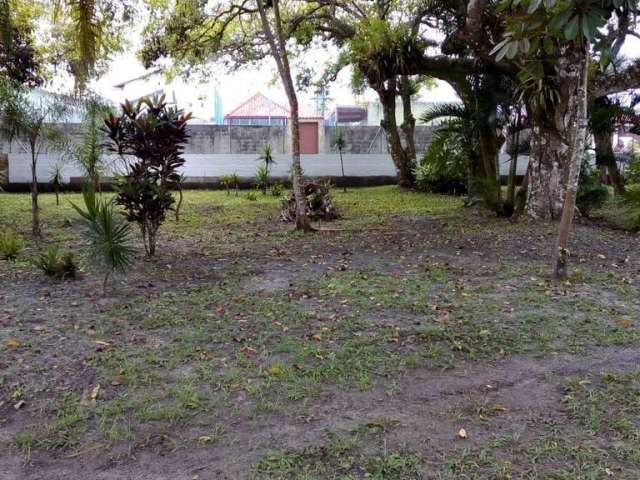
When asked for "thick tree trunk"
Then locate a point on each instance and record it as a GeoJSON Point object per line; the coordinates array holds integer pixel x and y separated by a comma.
{"type": "Point", "coordinates": [574, 70]}
{"type": "Point", "coordinates": [401, 158]}
{"type": "Point", "coordinates": [408, 126]}
{"type": "Point", "coordinates": [553, 147]}
{"type": "Point", "coordinates": [605, 158]}
{"type": "Point", "coordinates": [35, 209]}
{"type": "Point", "coordinates": [279, 53]}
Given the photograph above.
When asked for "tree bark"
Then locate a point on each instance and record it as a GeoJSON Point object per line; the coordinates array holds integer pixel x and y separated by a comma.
{"type": "Point", "coordinates": [279, 53]}
{"type": "Point", "coordinates": [401, 158]}
{"type": "Point", "coordinates": [574, 70]}
{"type": "Point", "coordinates": [408, 126]}
{"type": "Point", "coordinates": [35, 209]}
{"type": "Point", "coordinates": [513, 166]}
{"type": "Point", "coordinates": [607, 159]}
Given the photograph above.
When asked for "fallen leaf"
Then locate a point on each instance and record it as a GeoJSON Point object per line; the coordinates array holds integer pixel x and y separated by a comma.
{"type": "Point", "coordinates": [20, 404]}
{"type": "Point", "coordinates": [13, 343]}
{"type": "Point", "coordinates": [248, 351]}
{"type": "Point", "coordinates": [95, 392]}
{"type": "Point", "coordinates": [462, 433]}
{"type": "Point", "coordinates": [496, 407]}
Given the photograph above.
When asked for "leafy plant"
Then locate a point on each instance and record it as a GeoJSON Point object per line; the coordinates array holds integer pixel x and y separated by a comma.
{"type": "Point", "coordinates": [56, 264]}
{"type": "Point", "coordinates": [592, 194]}
{"type": "Point", "coordinates": [251, 196]}
{"type": "Point", "coordinates": [151, 136]}
{"type": "Point", "coordinates": [339, 143]}
{"type": "Point", "coordinates": [109, 237]}
{"type": "Point", "coordinates": [229, 181]}
{"type": "Point", "coordinates": [56, 180]}
{"type": "Point", "coordinates": [262, 178]}
{"type": "Point", "coordinates": [262, 173]}
{"type": "Point", "coordinates": [11, 244]}
{"type": "Point", "coordinates": [632, 172]}
{"type": "Point", "coordinates": [277, 189]}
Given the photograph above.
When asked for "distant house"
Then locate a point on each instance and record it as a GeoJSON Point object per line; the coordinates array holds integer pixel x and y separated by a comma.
{"type": "Point", "coordinates": [258, 110]}
{"type": "Point", "coordinates": [346, 115]}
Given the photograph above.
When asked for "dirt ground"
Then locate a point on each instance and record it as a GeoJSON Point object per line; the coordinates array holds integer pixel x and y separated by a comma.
{"type": "Point", "coordinates": [426, 344]}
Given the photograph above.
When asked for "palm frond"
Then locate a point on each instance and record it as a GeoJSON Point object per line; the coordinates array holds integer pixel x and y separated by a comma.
{"type": "Point", "coordinates": [445, 110]}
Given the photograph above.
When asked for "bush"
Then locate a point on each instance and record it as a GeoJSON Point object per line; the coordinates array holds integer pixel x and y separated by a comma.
{"type": "Point", "coordinates": [11, 245]}
{"type": "Point", "coordinates": [229, 181]}
{"type": "Point", "coordinates": [56, 264]}
{"type": "Point", "coordinates": [632, 172]}
{"type": "Point", "coordinates": [154, 136]}
{"type": "Point", "coordinates": [443, 168]}
{"type": "Point", "coordinates": [277, 190]}
{"type": "Point", "coordinates": [251, 196]}
{"type": "Point", "coordinates": [262, 178]}
{"type": "Point", "coordinates": [592, 194]}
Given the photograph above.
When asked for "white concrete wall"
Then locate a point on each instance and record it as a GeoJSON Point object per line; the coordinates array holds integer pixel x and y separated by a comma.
{"type": "Point", "coordinates": [215, 165]}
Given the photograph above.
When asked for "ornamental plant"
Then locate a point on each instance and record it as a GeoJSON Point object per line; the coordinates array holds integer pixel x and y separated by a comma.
{"type": "Point", "coordinates": [150, 138]}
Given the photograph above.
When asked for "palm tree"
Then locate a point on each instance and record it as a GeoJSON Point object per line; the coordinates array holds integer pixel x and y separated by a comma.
{"type": "Point", "coordinates": [339, 143]}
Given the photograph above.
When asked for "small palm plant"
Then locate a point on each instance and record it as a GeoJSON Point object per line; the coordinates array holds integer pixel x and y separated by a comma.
{"type": "Point", "coordinates": [262, 174]}
{"type": "Point", "coordinates": [55, 180]}
{"type": "Point", "coordinates": [339, 143]}
{"type": "Point", "coordinates": [109, 236]}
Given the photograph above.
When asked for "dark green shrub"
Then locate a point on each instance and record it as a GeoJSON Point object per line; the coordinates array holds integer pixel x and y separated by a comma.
{"type": "Point", "coordinates": [277, 190]}
{"type": "Point", "coordinates": [11, 245]}
{"type": "Point", "coordinates": [592, 194]}
{"type": "Point", "coordinates": [632, 173]}
{"type": "Point", "coordinates": [56, 264]}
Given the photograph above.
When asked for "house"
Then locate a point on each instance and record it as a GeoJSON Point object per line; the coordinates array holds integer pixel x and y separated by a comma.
{"type": "Point", "coordinates": [260, 110]}
{"type": "Point", "coordinates": [346, 115]}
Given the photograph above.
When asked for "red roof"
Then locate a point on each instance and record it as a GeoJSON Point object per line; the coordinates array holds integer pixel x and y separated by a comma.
{"type": "Point", "coordinates": [259, 106]}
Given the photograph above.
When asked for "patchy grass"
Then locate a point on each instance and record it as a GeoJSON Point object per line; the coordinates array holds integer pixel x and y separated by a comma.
{"type": "Point", "coordinates": [270, 351]}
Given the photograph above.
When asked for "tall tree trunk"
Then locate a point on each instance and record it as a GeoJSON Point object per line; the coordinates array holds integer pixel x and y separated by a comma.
{"type": "Point", "coordinates": [35, 210]}
{"type": "Point", "coordinates": [279, 53]}
{"type": "Point", "coordinates": [401, 158]}
{"type": "Point", "coordinates": [574, 70]}
{"type": "Point", "coordinates": [513, 166]}
{"type": "Point", "coordinates": [408, 126]}
{"type": "Point", "coordinates": [607, 159]}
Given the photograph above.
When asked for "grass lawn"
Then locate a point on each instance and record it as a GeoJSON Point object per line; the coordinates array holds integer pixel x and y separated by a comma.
{"type": "Point", "coordinates": [411, 339]}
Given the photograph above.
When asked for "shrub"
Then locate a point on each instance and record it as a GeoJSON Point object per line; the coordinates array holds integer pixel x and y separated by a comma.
{"type": "Point", "coordinates": [229, 181]}
{"type": "Point", "coordinates": [109, 236]}
{"type": "Point", "coordinates": [632, 172]}
{"type": "Point", "coordinates": [56, 264]}
{"type": "Point", "coordinates": [262, 178]}
{"type": "Point", "coordinates": [443, 168]}
{"type": "Point", "coordinates": [277, 189]}
{"type": "Point", "coordinates": [154, 135]}
{"type": "Point", "coordinates": [251, 196]}
{"type": "Point", "coordinates": [318, 202]}
{"type": "Point", "coordinates": [11, 245]}
{"type": "Point", "coordinates": [592, 194]}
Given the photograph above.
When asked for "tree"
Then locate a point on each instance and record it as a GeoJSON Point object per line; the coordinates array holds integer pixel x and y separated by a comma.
{"type": "Point", "coordinates": [552, 42]}
{"type": "Point", "coordinates": [238, 32]}
{"type": "Point", "coordinates": [34, 126]}
{"type": "Point", "coordinates": [19, 62]}
{"type": "Point", "coordinates": [150, 138]}
{"type": "Point", "coordinates": [266, 157]}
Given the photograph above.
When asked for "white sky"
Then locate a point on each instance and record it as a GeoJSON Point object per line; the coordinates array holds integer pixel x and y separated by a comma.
{"type": "Point", "coordinates": [238, 86]}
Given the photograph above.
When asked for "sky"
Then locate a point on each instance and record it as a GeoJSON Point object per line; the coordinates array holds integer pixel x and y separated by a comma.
{"type": "Point", "coordinates": [236, 87]}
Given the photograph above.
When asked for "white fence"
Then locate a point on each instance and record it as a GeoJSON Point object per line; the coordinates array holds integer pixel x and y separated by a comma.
{"type": "Point", "coordinates": [216, 165]}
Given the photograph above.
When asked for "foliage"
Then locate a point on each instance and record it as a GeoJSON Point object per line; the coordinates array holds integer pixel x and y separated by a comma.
{"type": "Point", "coordinates": [109, 236]}
{"type": "Point", "coordinates": [339, 143]}
{"type": "Point", "coordinates": [262, 178]}
{"type": "Point", "coordinates": [229, 181]}
{"type": "Point", "coordinates": [55, 180]}
{"type": "Point", "coordinates": [19, 59]}
{"type": "Point", "coordinates": [11, 244]}
{"type": "Point", "coordinates": [632, 172]}
{"type": "Point", "coordinates": [251, 196]}
{"type": "Point", "coordinates": [56, 264]}
{"type": "Point", "coordinates": [89, 153]}
{"type": "Point", "coordinates": [151, 136]}
{"type": "Point", "coordinates": [262, 173]}
{"type": "Point", "coordinates": [277, 189]}
{"type": "Point", "coordinates": [443, 168]}
{"type": "Point", "coordinates": [592, 194]}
